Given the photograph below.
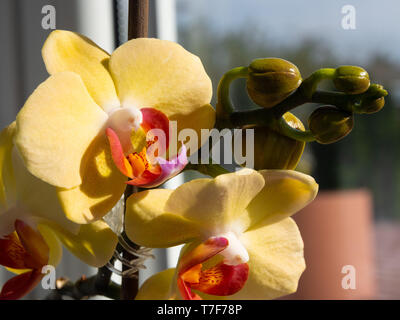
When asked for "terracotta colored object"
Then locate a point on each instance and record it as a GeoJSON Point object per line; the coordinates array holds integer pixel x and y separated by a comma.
{"type": "Point", "coordinates": [337, 229]}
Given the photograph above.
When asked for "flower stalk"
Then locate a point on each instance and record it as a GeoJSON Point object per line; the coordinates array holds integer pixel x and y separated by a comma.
{"type": "Point", "coordinates": [99, 284]}
{"type": "Point", "coordinates": [137, 28]}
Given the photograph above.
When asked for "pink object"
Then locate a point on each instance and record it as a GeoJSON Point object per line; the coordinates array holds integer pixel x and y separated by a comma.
{"type": "Point", "coordinates": [337, 229]}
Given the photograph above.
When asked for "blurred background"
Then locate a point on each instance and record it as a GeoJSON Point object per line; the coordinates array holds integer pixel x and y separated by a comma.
{"type": "Point", "coordinates": [356, 215]}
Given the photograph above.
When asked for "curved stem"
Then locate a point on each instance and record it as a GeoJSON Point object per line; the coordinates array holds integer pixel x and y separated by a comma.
{"type": "Point", "coordinates": [262, 116]}
{"type": "Point", "coordinates": [293, 133]}
{"type": "Point", "coordinates": [224, 105]}
{"type": "Point", "coordinates": [309, 85]}
{"type": "Point", "coordinates": [266, 117]}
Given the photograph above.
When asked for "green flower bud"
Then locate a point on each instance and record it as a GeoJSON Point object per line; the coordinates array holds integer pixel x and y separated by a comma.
{"type": "Point", "coordinates": [329, 124]}
{"type": "Point", "coordinates": [273, 150]}
{"type": "Point", "coordinates": [351, 79]}
{"type": "Point", "coordinates": [372, 101]}
{"type": "Point", "coordinates": [372, 106]}
{"type": "Point", "coordinates": [271, 80]}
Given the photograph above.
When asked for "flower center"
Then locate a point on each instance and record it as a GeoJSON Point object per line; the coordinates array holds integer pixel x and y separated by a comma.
{"type": "Point", "coordinates": [123, 121]}
{"type": "Point", "coordinates": [235, 253]}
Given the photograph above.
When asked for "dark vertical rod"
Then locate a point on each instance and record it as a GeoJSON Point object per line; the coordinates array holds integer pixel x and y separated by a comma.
{"type": "Point", "coordinates": [137, 28]}
{"type": "Point", "coordinates": [138, 19]}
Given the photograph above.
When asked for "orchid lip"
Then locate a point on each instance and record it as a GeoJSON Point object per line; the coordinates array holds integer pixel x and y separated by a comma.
{"type": "Point", "coordinates": [146, 168]}
{"type": "Point", "coordinates": [26, 250]}
{"type": "Point", "coordinates": [223, 279]}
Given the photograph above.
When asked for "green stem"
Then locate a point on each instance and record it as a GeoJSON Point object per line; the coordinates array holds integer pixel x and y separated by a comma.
{"type": "Point", "coordinates": [309, 85]}
{"type": "Point", "coordinates": [227, 117]}
{"type": "Point", "coordinates": [293, 133]}
{"type": "Point", "coordinates": [262, 116]}
{"type": "Point", "coordinates": [224, 104]}
{"type": "Point", "coordinates": [304, 93]}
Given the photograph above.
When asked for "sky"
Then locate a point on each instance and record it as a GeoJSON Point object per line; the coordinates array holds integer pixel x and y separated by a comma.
{"type": "Point", "coordinates": [288, 22]}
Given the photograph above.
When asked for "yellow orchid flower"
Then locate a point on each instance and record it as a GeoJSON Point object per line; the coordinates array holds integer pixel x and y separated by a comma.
{"type": "Point", "coordinates": [84, 129]}
{"type": "Point", "coordinates": [33, 225]}
{"type": "Point", "coordinates": [240, 240]}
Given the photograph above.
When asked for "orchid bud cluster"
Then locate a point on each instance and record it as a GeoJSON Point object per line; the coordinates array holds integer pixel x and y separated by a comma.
{"type": "Point", "coordinates": [276, 86]}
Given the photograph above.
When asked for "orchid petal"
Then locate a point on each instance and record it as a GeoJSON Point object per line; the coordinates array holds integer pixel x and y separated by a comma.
{"type": "Point", "coordinates": [201, 253]}
{"type": "Point", "coordinates": [102, 186]}
{"type": "Point", "coordinates": [155, 119]}
{"type": "Point", "coordinates": [118, 154]}
{"type": "Point", "coordinates": [222, 279]}
{"type": "Point", "coordinates": [70, 51]}
{"type": "Point", "coordinates": [94, 244]}
{"type": "Point", "coordinates": [7, 184]}
{"type": "Point", "coordinates": [33, 242]}
{"type": "Point", "coordinates": [147, 224]}
{"type": "Point", "coordinates": [185, 291]}
{"type": "Point", "coordinates": [163, 75]}
{"type": "Point", "coordinates": [14, 255]}
{"type": "Point", "coordinates": [217, 203]}
{"type": "Point", "coordinates": [157, 287]}
{"type": "Point", "coordinates": [29, 204]}
{"type": "Point", "coordinates": [20, 285]}
{"type": "Point", "coordinates": [276, 260]}
{"type": "Point", "coordinates": [55, 127]}
{"type": "Point", "coordinates": [285, 193]}
{"type": "Point", "coordinates": [55, 248]}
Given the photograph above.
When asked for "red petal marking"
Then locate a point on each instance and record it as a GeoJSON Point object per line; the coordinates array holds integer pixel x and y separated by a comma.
{"type": "Point", "coordinates": [13, 254]}
{"type": "Point", "coordinates": [201, 253]}
{"type": "Point", "coordinates": [138, 168]}
{"type": "Point", "coordinates": [20, 285]}
{"type": "Point", "coordinates": [146, 178]}
{"type": "Point", "coordinates": [23, 249]}
{"type": "Point", "coordinates": [117, 153]}
{"type": "Point", "coordinates": [155, 119]}
{"type": "Point", "coordinates": [186, 292]}
{"type": "Point", "coordinates": [33, 243]}
{"type": "Point", "coordinates": [144, 172]}
{"type": "Point", "coordinates": [222, 279]}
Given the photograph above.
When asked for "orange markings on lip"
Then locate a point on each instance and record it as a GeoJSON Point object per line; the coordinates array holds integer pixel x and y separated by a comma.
{"type": "Point", "coordinates": [222, 279]}
{"type": "Point", "coordinates": [219, 280]}
{"type": "Point", "coordinates": [136, 165]}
